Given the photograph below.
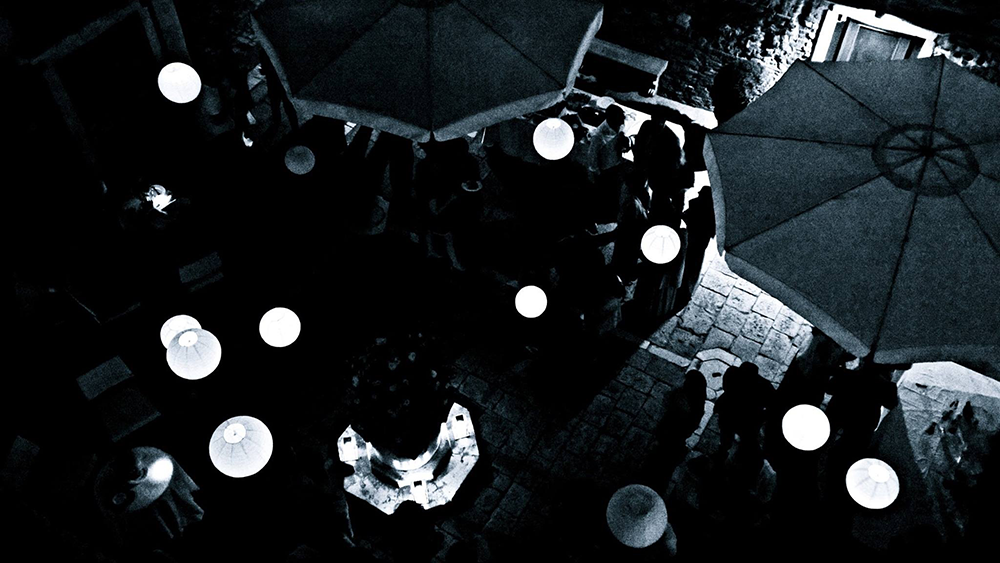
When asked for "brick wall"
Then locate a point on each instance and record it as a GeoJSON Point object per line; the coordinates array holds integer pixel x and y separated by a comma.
{"type": "Point", "coordinates": [699, 37]}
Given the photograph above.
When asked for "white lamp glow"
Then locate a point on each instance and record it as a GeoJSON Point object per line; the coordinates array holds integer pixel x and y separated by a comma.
{"type": "Point", "coordinates": [660, 244]}
{"type": "Point", "coordinates": [553, 138]}
{"type": "Point", "coordinates": [241, 446]}
{"type": "Point", "coordinates": [279, 327]}
{"type": "Point", "coordinates": [872, 483]}
{"type": "Point", "coordinates": [194, 353]}
{"type": "Point", "coordinates": [299, 160]}
{"type": "Point", "coordinates": [174, 325]}
{"type": "Point", "coordinates": [637, 516]}
{"type": "Point", "coordinates": [179, 83]}
{"type": "Point", "coordinates": [161, 470]}
{"type": "Point", "coordinates": [805, 427]}
{"type": "Point", "coordinates": [530, 301]}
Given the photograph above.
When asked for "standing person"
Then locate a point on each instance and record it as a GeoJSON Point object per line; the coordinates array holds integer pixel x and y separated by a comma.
{"type": "Point", "coordinates": [605, 164]}
{"type": "Point", "coordinates": [856, 404]}
{"type": "Point", "coordinates": [741, 408]}
{"type": "Point", "coordinates": [632, 224]}
{"type": "Point", "coordinates": [700, 221]}
{"type": "Point", "coordinates": [657, 284]}
{"type": "Point", "coordinates": [669, 177]}
{"type": "Point", "coordinates": [684, 408]}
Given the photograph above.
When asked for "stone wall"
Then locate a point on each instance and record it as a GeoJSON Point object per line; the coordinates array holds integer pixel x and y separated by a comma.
{"type": "Point", "coordinates": [699, 37]}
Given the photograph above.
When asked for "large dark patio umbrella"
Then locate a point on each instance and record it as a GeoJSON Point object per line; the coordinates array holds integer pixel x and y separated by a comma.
{"type": "Point", "coordinates": [421, 67]}
{"type": "Point", "coordinates": [866, 196]}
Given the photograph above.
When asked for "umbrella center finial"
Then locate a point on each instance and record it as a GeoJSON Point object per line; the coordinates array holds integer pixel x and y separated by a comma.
{"type": "Point", "coordinates": [927, 160]}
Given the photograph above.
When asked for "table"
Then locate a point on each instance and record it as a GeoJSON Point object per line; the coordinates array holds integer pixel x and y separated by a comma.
{"type": "Point", "coordinates": [418, 484]}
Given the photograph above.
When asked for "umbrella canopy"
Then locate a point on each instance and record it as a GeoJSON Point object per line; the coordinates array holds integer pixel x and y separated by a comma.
{"type": "Point", "coordinates": [417, 67]}
{"type": "Point", "coordinates": [864, 196]}
{"type": "Point", "coordinates": [930, 439]}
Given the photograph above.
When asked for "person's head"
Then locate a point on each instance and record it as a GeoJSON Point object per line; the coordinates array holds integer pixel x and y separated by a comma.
{"type": "Point", "coordinates": [736, 85]}
{"type": "Point", "coordinates": [668, 149]}
{"type": "Point", "coordinates": [749, 369]}
{"type": "Point", "coordinates": [694, 381]}
{"type": "Point", "coordinates": [615, 116]}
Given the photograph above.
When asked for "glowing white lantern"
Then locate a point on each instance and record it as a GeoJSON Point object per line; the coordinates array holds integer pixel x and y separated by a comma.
{"type": "Point", "coordinates": [161, 470]}
{"type": "Point", "coordinates": [279, 327]}
{"type": "Point", "coordinates": [553, 139]}
{"type": "Point", "coordinates": [174, 325]}
{"type": "Point", "coordinates": [805, 427]}
{"type": "Point", "coordinates": [241, 446]}
{"type": "Point", "coordinates": [637, 516]}
{"type": "Point", "coordinates": [179, 83]}
{"type": "Point", "coordinates": [299, 160]}
{"type": "Point", "coordinates": [872, 483]}
{"type": "Point", "coordinates": [530, 301]}
{"type": "Point", "coordinates": [660, 244]}
{"type": "Point", "coordinates": [194, 353]}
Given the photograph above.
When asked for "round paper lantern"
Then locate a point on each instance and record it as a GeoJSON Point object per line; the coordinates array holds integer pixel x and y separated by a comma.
{"type": "Point", "coordinates": [194, 353]}
{"type": "Point", "coordinates": [174, 325]}
{"type": "Point", "coordinates": [530, 301]}
{"type": "Point", "coordinates": [179, 83]}
{"type": "Point", "coordinates": [279, 327]}
{"type": "Point", "coordinates": [872, 483]}
{"type": "Point", "coordinates": [299, 160]}
{"type": "Point", "coordinates": [553, 138]}
{"type": "Point", "coordinates": [805, 427]}
{"type": "Point", "coordinates": [660, 244]}
{"type": "Point", "coordinates": [241, 446]}
{"type": "Point", "coordinates": [637, 516]}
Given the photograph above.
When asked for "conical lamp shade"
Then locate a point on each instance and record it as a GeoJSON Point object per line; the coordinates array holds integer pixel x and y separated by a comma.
{"type": "Point", "coordinates": [872, 483]}
{"type": "Point", "coordinates": [241, 446]}
{"type": "Point", "coordinates": [637, 516]}
{"type": "Point", "coordinates": [194, 353]}
{"type": "Point", "coordinates": [174, 325]}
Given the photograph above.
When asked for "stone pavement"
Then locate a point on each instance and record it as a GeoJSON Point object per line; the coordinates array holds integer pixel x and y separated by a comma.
{"type": "Point", "coordinates": [728, 321]}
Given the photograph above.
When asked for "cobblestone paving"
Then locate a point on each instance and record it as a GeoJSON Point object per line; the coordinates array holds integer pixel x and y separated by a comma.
{"type": "Point", "coordinates": [727, 322]}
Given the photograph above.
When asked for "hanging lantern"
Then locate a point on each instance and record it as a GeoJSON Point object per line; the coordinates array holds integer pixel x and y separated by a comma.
{"type": "Point", "coordinates": [637, 516]}
{"type": "Point", "coordinates": [805, 427]}
{"type": "Point", "coordinates": [660, 244]}
{"type": "Point", "coordinates": [194, 353]}
{"type": "Point", "coordinates": [174, 325]}
{"type": "Point", "coordinates": [279, 327]}
{"type": "Point", "coordinates": [530, 301]}
{"type": "Point", "coordinates": [872, 483]}
{"type": "Point", "coordinates": [299, 160]}
{"type": "Point", "coordinates": [179, 83]}
{"type": "Point", "coordinates": [240, 446]}
{"type": "Point", "coordinates": [553, 139]}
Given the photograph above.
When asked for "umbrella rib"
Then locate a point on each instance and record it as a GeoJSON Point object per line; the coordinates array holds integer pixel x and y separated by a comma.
{"type": "Point", "coordinates": [993, 244]}
{"type": "Point", "coordinates": [807, 210]}
{"type": "Point", "coordinates": [817, 141]}
{"type": "Point", "coordinates": [849, 95]}
{"type": "Point", "coordinates": [895, 270]}
{"type": "Point", "coordinates": [559, 83]}
{"type": "Point", "coordinates": [430, 62]}
{"type": "Point", "coordinates": [938, 97]}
